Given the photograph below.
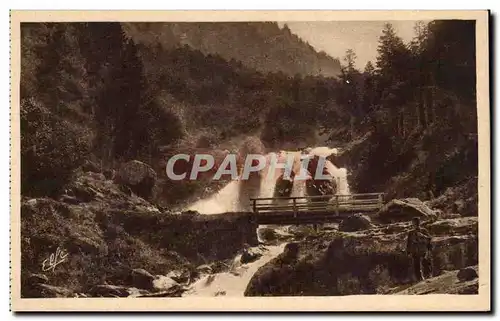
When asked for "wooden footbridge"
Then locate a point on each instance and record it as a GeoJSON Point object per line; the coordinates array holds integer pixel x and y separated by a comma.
{"type": "Point", "coordinates": [314, 209]}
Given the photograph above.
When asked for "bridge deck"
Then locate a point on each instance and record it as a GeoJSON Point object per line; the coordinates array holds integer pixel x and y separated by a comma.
{"type": "Point", "coordinates": [314, 209]}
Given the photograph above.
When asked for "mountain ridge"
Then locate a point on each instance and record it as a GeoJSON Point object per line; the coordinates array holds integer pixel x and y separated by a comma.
{"type": "Point", "coordinates": [262, 46]}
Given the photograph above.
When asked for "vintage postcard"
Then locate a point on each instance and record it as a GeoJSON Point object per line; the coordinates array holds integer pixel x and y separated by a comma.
{"type": "Point", "coordinates": [250, 161]}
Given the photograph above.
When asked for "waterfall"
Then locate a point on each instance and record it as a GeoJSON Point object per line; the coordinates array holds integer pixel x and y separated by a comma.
{"type": "Point", "coordinates": [226, 200]}
{"type": "Point", "coordinates": [233, 197]}
{"type": "Point", "coordinates": [236, 194]}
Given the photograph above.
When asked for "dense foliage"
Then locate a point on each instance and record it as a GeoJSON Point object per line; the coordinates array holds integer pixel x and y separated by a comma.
{"type": "Point", "coordinates": [144, 91]}
{"type": "Point", "coordinates": [418, 105]}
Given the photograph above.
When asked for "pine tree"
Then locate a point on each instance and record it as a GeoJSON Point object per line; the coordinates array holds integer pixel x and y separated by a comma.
{"type": "Point", "coordinates": [350, 94]}
{"type": "Point", "coordinates": [369, 90]}
{"type": "Point", "coordinates": [392, 63]}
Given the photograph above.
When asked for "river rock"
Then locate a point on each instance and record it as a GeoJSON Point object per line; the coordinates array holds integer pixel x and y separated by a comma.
{"type": "Point", "coordinates": [204, 269]}
{"type": "Point", "coordinates": [179, 276]}
{"type": "Point", "coordinates": [399, 210]}
{"type": "Point", "coordinates": [142, 279]}
{"type": "Point", "coordinates": [275, 277]}
{"type": "Point", "coordinates": [467, 274]}
{"type": "Point", "coordinates": [175, 291]}
{"type": "Point", "coordinates": [219, 266]}
{"type": "Point", "coordinates": [108, 290]}
{"type": "Point", "coordinates": [356, 222]}
{"type": "Point", "coordinates": [366, 262]}
{"type": "Point", "coordinates": [139, 176]}
{"type": "Point", "coordinates": [250, 255]}
{"type": "Point", "coordinates": [446, 283]}
{"type": "Point", "coordinates": [267, 234]}
{"type": "Point", "coordinates": [162, 283]}
{"type": "Point", "coordinates": [456, 226]}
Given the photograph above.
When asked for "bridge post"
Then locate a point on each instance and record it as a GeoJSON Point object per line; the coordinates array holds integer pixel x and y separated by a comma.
{"type": "Point", "coordinates": [380, 200]}
{"type": "Point", "coordinates": [294, 207]}
{"type": "Point", "coordinates": [254, 205]}
{"type": "Point", "coordinates": [337, 205]}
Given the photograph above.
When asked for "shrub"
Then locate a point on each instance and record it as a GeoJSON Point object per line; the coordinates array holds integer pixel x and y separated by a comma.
{"type": "Point", "coordinates": [51, 149]}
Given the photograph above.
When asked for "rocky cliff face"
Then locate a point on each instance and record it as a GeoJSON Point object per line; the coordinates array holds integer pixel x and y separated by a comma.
{"type": "Point", "coordinates": [95, 237]}
{"type": "Point", "coordinates": [371, 260]}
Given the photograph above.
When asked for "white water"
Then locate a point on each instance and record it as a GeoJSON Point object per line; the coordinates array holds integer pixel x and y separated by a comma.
{"type": "Point", "coordinates": [234, 282]}
{"type": "Point", "coordinates": [228, 198]}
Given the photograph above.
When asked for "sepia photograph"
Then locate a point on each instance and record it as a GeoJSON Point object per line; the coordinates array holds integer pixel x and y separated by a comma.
{"type": "Point", "coordinates": [250, 161]}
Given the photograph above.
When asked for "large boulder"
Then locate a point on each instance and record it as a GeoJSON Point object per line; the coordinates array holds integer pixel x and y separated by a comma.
{"type": "Point", "coordinates": [163, 283]}
{"type": "Point", "coordinates": [369, 262]}
{"type": "Point", "coordinates": [275, 277]}
{"type": "Point", "coordinates": [250, 255]}
{"type": "Point", "coordinates": [467, 274]}
{"type": "Point", "coordinates": [456, 226]}
{"type": "Point", "coordinates": [400, 210]}
{"type": "Point", "coordinates": [204, 269]}
{"type": "Point", "coordinates": [356, 222]}
{"type": "Point", "coordinates": [108, 290]}
{"type": "Point", "coordinates": [180, 276]}
{"type": "Point", "coordinates": [447, 283]}
{"type": "Point", "coordinates": [138, 176]}
{"type": "Point", "coordinates": [142, 279]}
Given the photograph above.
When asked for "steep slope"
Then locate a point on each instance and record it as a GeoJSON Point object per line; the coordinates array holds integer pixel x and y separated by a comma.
{"type": "Point", "coordinates": [263, 46]}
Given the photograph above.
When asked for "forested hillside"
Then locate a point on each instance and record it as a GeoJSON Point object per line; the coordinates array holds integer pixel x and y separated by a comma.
{"type": "Point", "coordinates": [262, 46]}
{"type": "Point", "coordinates": [103, 97]}
{"type": "Point", "coordinates": [415, 109]}
{"type": "Point", "coordinates": [111, 92]}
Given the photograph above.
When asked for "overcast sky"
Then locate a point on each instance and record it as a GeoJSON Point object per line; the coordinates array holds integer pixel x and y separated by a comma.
{"type": "Point", "coordinates": [335, 37]}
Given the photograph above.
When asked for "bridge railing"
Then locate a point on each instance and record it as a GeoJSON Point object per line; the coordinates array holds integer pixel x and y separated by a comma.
{"type": "Point", "coordinates": [334, 203]}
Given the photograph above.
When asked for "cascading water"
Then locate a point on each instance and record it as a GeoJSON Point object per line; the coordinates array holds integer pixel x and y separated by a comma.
{"type": "Point", "coordinates": [234, 282]}
{"type": "Point", "coordinates": [232, 198]}
{"type": "Point", "coordinates": [226, 200]}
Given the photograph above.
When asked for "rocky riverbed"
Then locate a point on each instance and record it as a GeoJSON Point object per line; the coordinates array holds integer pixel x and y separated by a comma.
{"type": "Point", "coordinates": [367, 256]}
{"type": "Point", "coordinates": [100, 239]}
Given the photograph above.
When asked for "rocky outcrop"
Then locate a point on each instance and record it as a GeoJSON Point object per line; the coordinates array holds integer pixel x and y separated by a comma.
{"type": "Point", "coordinates": [138, 176]}
{"type": "Point", "coordinates": [251, 255]}
{"type": "Point", "coordinates": [356, 222]}
{"type": "Point", "coordinates": [164, 283]}
{"type": "Point", "coordinates": [450, 282]}
{"type": "Point", "coordinates": [455, 226]}
{"type": "Point", "coordinates": [119, 240]}
{"type": "Point", "coordinates": [107, 290]}
{"type": "Point", "coordinates": [363, 262]}
{"type": "Point", "coordinates": [461, 199]}
{"type": "Point", "coordinates": [400, 210]}
{"type": "Point", "coordinates": [142, 279]}
{"type": "Point", "coordinates": [275, 276]}
{"type": "Point", "coordinates": [467, 274]}
{"type": "Point", "coordinates": [283, 187]}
